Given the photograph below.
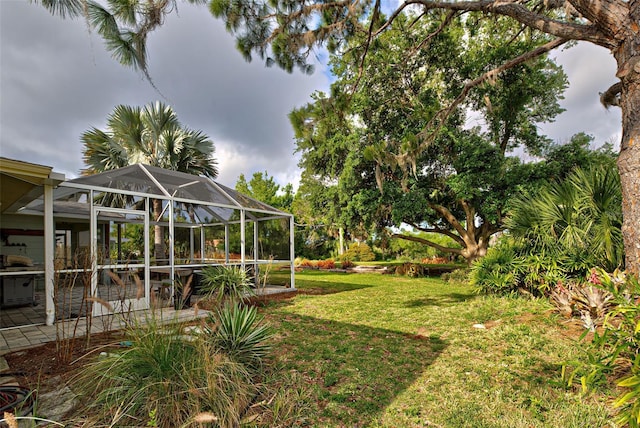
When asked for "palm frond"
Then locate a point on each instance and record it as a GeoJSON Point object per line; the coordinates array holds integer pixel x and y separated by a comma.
{"type": "Point", "coordinates": [63, 8]}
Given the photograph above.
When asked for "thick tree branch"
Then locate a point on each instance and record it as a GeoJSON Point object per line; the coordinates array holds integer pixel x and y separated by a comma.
{"type": "Point", "coordinates": [434, 125]}
{"type": "Point", "coordinates": [485, 231]}
{"type": "Point", "coordinates": [605, 14]}
{"type": "Point", "coordinates": [445, 232]}
{"type": "Point", "coordinates": [470, 215]}
{"type": "Point", "coordinates": [450, 218]}
{"type": "Point", "coordinates": [516, 10]}
{"type": "Point", "coordinates": [429, 243]}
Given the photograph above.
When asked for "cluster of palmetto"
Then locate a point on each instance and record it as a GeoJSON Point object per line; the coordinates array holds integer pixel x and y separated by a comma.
{"type": "Point", "coordinates": [557, 235]}
{"type": "Point", "coordinates": [561, 241]}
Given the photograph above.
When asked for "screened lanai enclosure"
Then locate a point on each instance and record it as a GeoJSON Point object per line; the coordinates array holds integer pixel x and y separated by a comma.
{"type": "Point", "coordinates": [139, 237]}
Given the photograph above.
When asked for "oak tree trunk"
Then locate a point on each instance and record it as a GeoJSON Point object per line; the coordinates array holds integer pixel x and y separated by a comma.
{"type": "Point", "coordinates": [628, 58]}
{"type": "Point", "coordinates": [475, 250]}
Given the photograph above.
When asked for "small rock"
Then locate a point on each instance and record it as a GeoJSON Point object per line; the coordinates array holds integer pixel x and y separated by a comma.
{"type": "Point", "coordinates": [3, 364]}
{"type": "Point", "coordinates": [55, 404]}
{"type": "Point", "coordinates": [479, 326]}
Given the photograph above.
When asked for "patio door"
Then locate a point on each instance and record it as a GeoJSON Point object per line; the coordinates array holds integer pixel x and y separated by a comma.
{"type": "Point", "coordinates": [120, 249]}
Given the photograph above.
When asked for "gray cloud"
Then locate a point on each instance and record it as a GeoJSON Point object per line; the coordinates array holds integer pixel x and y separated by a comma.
{"type": "Point", "coordinates": [591, 70]}
{"type": "Point", "coordinates": [57, 81]}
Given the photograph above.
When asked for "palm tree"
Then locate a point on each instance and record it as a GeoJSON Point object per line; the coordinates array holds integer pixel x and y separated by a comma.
{"type": "Point", "coordinates": [151, 135]}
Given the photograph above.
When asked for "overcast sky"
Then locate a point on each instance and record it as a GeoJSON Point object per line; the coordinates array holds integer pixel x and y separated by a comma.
{"type": "Point", "coordinates": [57, 80]}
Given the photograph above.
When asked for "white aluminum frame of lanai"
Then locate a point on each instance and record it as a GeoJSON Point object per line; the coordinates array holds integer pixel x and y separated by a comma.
{"type": "Point", "coordinates": [212, 204]}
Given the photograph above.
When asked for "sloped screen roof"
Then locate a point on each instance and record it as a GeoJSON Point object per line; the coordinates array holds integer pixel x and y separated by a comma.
{"type": "Point", "coordinates": [153, 181]}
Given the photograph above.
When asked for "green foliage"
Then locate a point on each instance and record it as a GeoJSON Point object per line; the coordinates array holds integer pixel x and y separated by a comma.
{"type": "Point", "coordinates": [497, 272]}
{"type": "Point", "coordinates": [273, 236]}
{"type": "Point", "coordinates": [264, 188]}
{"type": "Point", "coordinates": [560, 233]}
{"type": "Point", "coordinates": [239, 334]}
{"type": "Point", "coordinates": [614, 354]}
{"type": "Point", "coordinates": [509, 267]}
{"type": "Point", "coordinates": [461, 175]}
{"type": "Point", "coordinates": [562, 158]}
{"type": "Point", "coordinates": [226, 283]}
{"type": "Point", "coordinates": [359, 252]}
{"type": "Point", "coordinates": [579, 218]}
{"type": "Point", "coordinates": [164, 377]}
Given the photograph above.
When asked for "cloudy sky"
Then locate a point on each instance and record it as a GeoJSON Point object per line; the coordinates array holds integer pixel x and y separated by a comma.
{"type": "Point", "coordinates": [56, 81]}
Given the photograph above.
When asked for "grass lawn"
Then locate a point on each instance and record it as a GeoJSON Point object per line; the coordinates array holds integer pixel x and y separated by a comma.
{"type": "Point", "coordinates": [389, 351]}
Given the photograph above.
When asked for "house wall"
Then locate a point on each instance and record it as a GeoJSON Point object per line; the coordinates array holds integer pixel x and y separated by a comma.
{"type": "Point", "coordinates": [21, 239]}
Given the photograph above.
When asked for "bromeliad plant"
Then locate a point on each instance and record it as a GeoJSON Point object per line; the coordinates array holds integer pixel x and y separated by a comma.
{"type": "Point", "coordinates": [585, 300]}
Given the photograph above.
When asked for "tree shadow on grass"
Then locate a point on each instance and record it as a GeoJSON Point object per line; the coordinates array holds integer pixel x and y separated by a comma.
{"type": "Point", "coordinates": [305, 284]}
{"type": "Point", "coordinates": [442, 300]}
{"type": "Point", "coordinates": [354, 372]}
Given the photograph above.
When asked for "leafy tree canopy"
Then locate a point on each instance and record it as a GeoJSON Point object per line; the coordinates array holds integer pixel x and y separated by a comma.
{"type": "Point", "coordinates": [264, 188]}
{"type": "Point", "coordinates": [456, 186]}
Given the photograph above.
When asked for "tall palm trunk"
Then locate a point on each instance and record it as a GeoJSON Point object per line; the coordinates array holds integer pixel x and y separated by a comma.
{"type": "Point", "coordinates": [158, 242]}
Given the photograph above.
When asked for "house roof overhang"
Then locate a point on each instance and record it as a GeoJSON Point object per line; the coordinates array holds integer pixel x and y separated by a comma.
{"type": "Point", "coordinates": [22, 182]}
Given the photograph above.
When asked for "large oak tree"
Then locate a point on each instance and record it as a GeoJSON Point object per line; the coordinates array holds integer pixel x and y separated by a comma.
{"type": "Point", "coordinates": [285, 32]}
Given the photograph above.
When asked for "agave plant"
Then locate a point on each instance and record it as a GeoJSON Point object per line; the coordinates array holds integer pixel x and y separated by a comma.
{"type": "Point", "coordinates": [239, 333]}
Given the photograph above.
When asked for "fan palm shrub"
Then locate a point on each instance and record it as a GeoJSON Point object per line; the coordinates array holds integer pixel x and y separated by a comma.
{"type": "Point", "coordinates": [557, 234]}
{"type": "Point", "coordinates": [580, 218]}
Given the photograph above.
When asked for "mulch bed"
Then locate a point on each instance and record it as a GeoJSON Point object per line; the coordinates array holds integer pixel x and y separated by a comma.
{"type": "Point", "coordinates": [35, 366]}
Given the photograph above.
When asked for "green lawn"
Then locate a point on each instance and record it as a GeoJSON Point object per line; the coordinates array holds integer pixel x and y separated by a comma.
{"type": "Point", "coordinates": [389, 351]}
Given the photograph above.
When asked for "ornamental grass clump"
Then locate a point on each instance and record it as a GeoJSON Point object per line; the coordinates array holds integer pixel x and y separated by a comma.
{"type": "Point", "coordinates": [226, 283]}
{"type": "Point", "coordinates": [172, 376]}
